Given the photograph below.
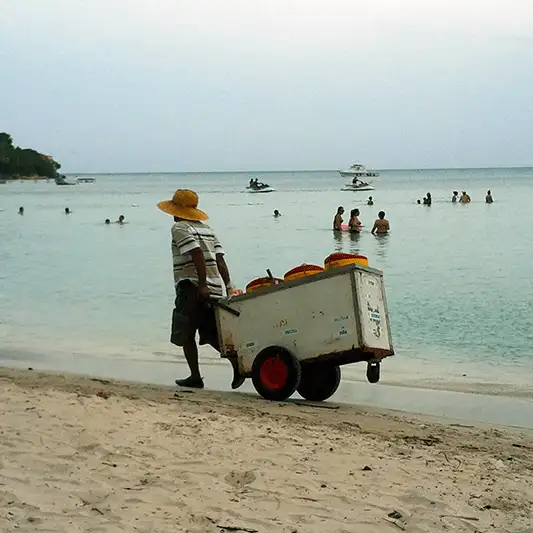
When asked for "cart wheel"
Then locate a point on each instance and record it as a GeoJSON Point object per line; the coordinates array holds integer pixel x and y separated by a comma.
{"type": "Point", "coordinates": [319, 381]}
{"type": "Point", "coordinates": [372, 372]}
{"type": "Point", "coordinates": [276, 373]}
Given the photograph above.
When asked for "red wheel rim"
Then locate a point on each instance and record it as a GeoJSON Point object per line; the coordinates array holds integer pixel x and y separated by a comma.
{"type": "Point", "coordinates": [274, 373]}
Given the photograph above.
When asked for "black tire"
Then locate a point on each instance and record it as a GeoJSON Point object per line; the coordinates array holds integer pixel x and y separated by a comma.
{"type": "Point", "coordinates": [276, 373]}
{"type": "Point", "coordinates": [373, 372]}
{"type": "Point", "coordinates": [319, 381]}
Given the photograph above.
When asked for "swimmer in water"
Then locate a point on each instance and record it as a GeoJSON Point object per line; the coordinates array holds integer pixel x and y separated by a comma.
{"type": "Point", "coordinates": [67, 211]}
{"type": "Point", "coordinates": [337, 220]}
{"type": "Point", "coordinates": [21, 210]}
{"type": "Point", "coordinates": [465, 198]}
{"type": "Point", "coordinates": [276, 213]}
{"type": "Point", "coordinates": [107, 221]}
{"type": "Point", "coordinates": [454, 197]}
{"type": "Point", "coordinates": [354, 224]}
{"type": "Point", "coordinates": [488, 198]}
{"type": "Point", "coordinates": [370, 201]}
{"type": "Point", "coordinates": [120, 220]}
{"type": "Point", "coordinates": [381, 225]}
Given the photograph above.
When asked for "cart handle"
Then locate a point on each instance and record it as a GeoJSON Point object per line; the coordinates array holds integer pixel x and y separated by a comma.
{"type": "Point", "coordinates": [218, 303]}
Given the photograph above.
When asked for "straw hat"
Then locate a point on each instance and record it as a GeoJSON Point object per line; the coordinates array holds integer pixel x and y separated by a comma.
{"type": "Point", "coordinates": [184, 204]}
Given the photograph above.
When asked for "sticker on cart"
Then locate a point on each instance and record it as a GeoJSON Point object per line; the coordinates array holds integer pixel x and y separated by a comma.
{"type": "Point", "coordinates": [341, 318]}
{"type": "Point", "coordinates": [373, 315]}
{"type": "Point", "coordinates": [250, 344]}
{"type": "Point", "coordinates": [291, 331]}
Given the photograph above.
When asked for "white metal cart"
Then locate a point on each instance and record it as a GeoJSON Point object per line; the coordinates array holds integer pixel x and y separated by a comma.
{"type": "Point", "coordinates": [295, 336]}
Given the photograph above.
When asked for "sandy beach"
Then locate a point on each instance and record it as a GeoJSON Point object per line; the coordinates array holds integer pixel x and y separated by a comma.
{"type": "Point", "coordinates": [80, 454]}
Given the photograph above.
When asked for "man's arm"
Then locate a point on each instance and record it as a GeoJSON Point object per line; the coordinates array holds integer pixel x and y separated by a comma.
{"type": "Point", "coordinates": [374, 228]}
{"type": "Point", "coordinates": [223, 269]}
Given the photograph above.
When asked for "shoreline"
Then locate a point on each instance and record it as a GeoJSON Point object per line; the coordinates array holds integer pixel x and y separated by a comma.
{"type": "Point", "coordinates": [80, 453]}
{"type": "Point", "coordinates": [398, 371]}
{"type": "Point", "coordinates": [505, 407]}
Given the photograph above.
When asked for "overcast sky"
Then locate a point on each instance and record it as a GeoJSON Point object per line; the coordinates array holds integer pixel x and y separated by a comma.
{"type": "Point", "coordinates": [186, 85]}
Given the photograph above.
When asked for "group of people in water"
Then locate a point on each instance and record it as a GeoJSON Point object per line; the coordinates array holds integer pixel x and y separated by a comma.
{"type": "Point", "coordinates": [119, 221]}
{"type": "Point", "coordinates": [121, 218]}
{"type": "Point", "coordinates": [456, 199]}
{"type": "Point", "coordinates": [381, 224]}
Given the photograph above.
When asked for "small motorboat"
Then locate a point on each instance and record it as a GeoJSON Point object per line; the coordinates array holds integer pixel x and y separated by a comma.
{"type": "Point", "coordinates": [86, 180]}
{"type": "Point", "coordinates": [258, 187]}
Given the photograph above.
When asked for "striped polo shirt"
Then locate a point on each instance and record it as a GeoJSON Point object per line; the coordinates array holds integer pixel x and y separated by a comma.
{"type": "Point", "coordinates": [187, 236]}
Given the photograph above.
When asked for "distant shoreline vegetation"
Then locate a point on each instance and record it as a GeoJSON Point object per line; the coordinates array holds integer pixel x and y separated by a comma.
{"type": "Point", "coordinates": [24, 163]}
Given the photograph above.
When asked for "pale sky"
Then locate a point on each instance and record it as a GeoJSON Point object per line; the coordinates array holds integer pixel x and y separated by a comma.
{"type": "Point", "coordinates": [198, 85]}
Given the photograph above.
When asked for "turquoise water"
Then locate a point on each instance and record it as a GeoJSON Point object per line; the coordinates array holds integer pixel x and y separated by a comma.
{"type": "Point", "coordinates": [458, 278]}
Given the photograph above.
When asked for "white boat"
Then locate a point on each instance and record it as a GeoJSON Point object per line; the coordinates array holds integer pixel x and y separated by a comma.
{"type": "Point", "coordinates": [358, 171]}
{"type": "Point", "coordinates": [86, 180]}
{"type": "Point", "coordinates": [262, 190]}
{"type": "Point", "coordinates": [61, 179]}
{"type": "Point", "coordinates": [358, 185]}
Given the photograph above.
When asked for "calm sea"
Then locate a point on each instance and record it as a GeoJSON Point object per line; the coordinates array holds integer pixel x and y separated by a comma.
{"type": "Point", "coordinates": [459, 278]}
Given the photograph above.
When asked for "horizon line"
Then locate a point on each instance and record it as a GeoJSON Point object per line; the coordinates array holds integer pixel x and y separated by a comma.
{"type": "Point", "coordinates": [297, 170]}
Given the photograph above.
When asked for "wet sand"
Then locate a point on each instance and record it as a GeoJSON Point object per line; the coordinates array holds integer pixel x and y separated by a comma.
{"type": "Point", "coordinates": [82, 454]}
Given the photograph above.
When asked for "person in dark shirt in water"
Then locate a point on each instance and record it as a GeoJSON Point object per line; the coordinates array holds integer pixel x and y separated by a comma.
{"type": "Point", "coordinates": [354, 224]}
{"type": "Point", "coordinates": [337, 220]}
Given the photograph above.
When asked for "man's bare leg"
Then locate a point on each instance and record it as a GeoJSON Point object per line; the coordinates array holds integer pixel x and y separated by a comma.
{"type": "Point", "coordinates": [190, 350]}
{"type": "Point", "coordinates": [238, 379]}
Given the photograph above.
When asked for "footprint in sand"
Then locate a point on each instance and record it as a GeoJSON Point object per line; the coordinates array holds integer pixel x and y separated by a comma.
{"type": "Point", "coordinates": [240, 479]}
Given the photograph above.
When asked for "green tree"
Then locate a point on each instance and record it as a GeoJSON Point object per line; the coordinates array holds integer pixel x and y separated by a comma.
{"type": "Point", "coordinates": [24, 161]}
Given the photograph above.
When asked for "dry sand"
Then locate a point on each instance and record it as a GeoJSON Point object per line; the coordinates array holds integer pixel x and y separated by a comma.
{"type": "Point", "coordinates": [87, 455]}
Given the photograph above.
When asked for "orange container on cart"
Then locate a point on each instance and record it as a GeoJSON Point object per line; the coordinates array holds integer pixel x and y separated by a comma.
{"type": "Point", "coordinates": [259, 283]}
{"type": "Point", "coordinates": [340, 259]}
{"type": "Point", "coordinates": [302, 271]}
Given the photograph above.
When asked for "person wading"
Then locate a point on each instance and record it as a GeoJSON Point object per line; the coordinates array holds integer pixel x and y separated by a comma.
{"type": "Point", "coordinates": [200, 272]}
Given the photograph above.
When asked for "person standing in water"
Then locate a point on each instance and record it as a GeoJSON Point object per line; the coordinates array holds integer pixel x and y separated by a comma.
{"type": "Point", "coordinates": [200, 273]}
{"type": "Point", "coordinates": [370, 201]}
{"type": "Point", "coordinates": [67, 211]}
{"type": "Point", "coordinates": [21, 210]}
{"type": "Point", "coordinates": [381, 225]}
{"type": "Point", "coordinates": [465, 199]}
{"type": "Point", "coordinates": [454, 197]}
{"type": "Point", "coordinates": [488, 198]}
{"type": "Point", "coordinates": [337, 220]}
{"type": "Point", "coordinates": [354, 223]}
{"type": "Point", "coordinates": [427, 199]}
{"type": "Point", "coordinates": [276, 213]}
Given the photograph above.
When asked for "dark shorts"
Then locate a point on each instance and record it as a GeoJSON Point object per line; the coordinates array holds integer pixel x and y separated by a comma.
{"type": "Point", "coordinates": [192, 314]}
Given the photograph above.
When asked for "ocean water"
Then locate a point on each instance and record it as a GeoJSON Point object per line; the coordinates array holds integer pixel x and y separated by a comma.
{"type": "Point", "coordinates": [458, 277]}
